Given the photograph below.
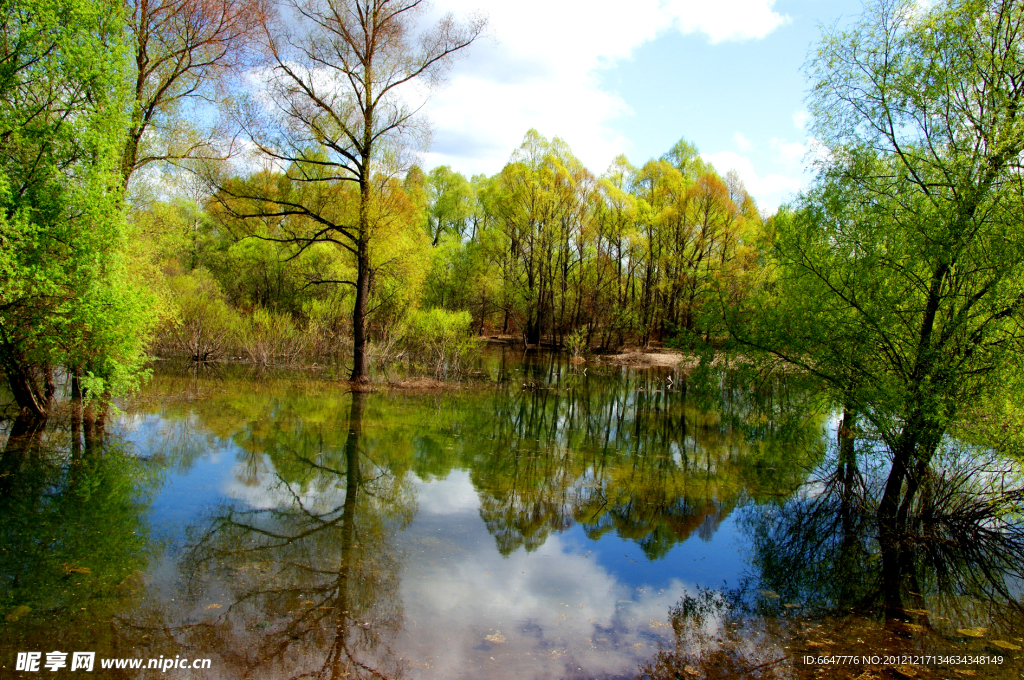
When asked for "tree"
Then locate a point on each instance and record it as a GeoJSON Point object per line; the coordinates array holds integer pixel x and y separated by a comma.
{"type": "Point", "coordinates": [898, 277]}
{"type": "Point", "coordinates": [336, 112]}
{"type": "Point", "coordinates": [182, 49]}
{"type": "Point", "coordinates": [66, 293]}
{"type": "Point", "coordinates": [541, 206]}
{"type": "Point", "coordinates": [451, 200]}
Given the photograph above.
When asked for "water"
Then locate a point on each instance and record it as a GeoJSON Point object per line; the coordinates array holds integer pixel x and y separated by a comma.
{"type": "Point", "coordinates": [540, 522]}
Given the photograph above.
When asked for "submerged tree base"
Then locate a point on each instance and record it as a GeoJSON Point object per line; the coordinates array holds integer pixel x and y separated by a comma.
{"type": "Point", "coordinates": [821, 601]}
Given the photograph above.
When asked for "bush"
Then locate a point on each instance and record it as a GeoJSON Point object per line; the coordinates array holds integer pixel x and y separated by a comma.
{"type": "Point", "coordinates": [440, 341]}
{"type": "Point", "coordinates": [201, 323]}
{"type": "Point", "coordinates": [576, 343]}
{"type": "Point", "coordinates": [268, 336]}
{"type": "Point", "coordinates": [328, 325]}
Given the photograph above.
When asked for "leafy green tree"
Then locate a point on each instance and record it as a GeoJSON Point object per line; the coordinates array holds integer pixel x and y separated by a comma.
{"type": "Point", "coordinates": [898, 278]}
{"type": "Point", "coordinates": [66, 292]}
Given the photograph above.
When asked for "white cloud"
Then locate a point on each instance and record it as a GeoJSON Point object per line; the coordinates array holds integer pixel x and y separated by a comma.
{"type": "Point", "coordinates": [742, 143]}
{"type": "Point", "coordinates": [470, 612]}
{"type": "Point", "coordinates": [452, 495]}
{"type": "Point", "coordinates": [789, 161]}
{"type": "Point", "coordinates": [547, 613]}
{"type": "Point", "coordinates": [727, 19]}
{"type": "Point", "coordinates": [789, 155]}
{"type": "Point", "coordinates": [540, 67]}
{"type": "Point", "coordinates": [256, 484]}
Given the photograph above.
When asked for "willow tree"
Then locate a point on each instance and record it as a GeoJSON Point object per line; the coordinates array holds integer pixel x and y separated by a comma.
{"type": "Point", "coordinates": [540, 207]}
{"type": "Point", "coordinates": [336, 110]}
{"type": "Point", "coordinates": [66, 298]}
{"type": "Point", "coordinates": [900, 273]}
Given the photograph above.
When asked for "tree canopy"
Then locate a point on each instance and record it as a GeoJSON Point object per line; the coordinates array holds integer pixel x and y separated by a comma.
{"type": "Point", "coordinates": [66, 299]}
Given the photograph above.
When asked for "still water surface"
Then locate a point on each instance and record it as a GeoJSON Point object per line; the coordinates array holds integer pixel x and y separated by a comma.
{"type": "Point", "coordinates": [543, 522]}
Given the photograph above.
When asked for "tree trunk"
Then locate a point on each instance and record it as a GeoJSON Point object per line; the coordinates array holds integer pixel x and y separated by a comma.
{"type": "Point", "coordinates": [359, 373]}
{"type": "Point", "coordinates": [76, 415]}
{"type": "Point", "coordinates": [349, 547]}
{"type": "Point", "coordinates": [24, 439]}
{"type": "Point", "coordinates": [31, 400]}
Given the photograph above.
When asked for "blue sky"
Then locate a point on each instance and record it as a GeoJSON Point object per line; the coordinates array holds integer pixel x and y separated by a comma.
{"type": "Point", "coordinates": [633, 78]}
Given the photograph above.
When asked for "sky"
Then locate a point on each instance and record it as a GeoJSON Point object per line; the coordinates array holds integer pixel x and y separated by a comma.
{"type": "Point", "coordinates": [633, 78]}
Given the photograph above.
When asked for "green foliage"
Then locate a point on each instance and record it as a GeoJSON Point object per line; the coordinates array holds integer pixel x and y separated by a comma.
{"type": "Point", "coordinates": [440, 341]}
{"type": "Point", "coordinates": [451, 202]}
{"type": "Point", "coordinates": [73, 529]}
{"type": "Point", "coordinates": [576, 343]}
{"type": "Point", "coordinates": [202, 324]}
{"type": "Point", "coordinates": [329, 322]}
{"type": "Point", "coordinates": [900, 275]}
{"type": "Point", "coordinates": [543, 250]}
{"type": "Point", "coordinates": [267, 337]}
{"type": "Point", "coordinates": [896, 279]}
{"type": "Point", "coordinates": [69, 294]}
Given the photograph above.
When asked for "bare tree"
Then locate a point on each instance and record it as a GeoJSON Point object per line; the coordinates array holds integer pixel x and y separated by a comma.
{"type": "Point", "coordinates": [337, 113]}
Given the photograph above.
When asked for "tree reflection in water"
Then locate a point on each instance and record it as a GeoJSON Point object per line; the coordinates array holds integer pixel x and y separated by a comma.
{"type": "Point", "coordinates": [303, 566]}
{"type": "Point", "coordinates": [310, 583]}
{"type": "Point", "coordinates": [628, 452]}
{"type": "Point", "coordinates": [74, 540]}
{"type": "Point", "coordinates": [818, 585]}
{"type": "Point", "coordinates": [547, 447]}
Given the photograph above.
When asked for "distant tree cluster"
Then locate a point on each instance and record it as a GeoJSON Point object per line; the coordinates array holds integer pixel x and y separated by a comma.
{"type": "Point", "coordinates": [540, 251]}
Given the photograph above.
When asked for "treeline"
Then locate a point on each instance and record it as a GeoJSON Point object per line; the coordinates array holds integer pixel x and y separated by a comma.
{"type": "Point", "coordinates": [544, 251]}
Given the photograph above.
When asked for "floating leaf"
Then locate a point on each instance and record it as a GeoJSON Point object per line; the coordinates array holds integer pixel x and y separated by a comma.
{"type": "Point", "coordinates": [972, 632]}
{"type": "Point", "coordinates": [497, 638]}
{"type": "Point", "coordinates": [17, 613]}
{"type": "Point", "coordinates": [1003, 644]}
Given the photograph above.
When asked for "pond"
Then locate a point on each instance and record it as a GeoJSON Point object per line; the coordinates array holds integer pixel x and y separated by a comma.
{"type": "Point", "coordinates": [542, 520]}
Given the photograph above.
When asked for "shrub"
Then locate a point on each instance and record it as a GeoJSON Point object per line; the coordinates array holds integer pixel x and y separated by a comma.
{"type": "Point", "coordinates": [201, 323]}
{"type": "Point", "coordinates": [576, 343]}
{"type": "Point", "coordinates": [440, 341]}
{"type": "Point", "coordinates": [328, 325]}
{"type": "Point", "coordinates": [267, 336]}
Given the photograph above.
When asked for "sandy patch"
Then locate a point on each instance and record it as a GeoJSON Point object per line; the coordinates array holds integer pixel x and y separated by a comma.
{"type": "Point", "coordinates": [654, 358]}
